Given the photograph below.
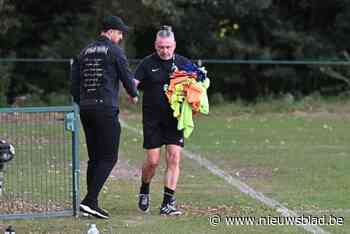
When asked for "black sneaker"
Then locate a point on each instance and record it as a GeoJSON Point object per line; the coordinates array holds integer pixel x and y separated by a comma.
{"type": "Point", "coordinates": [144, 202]}
{"type": "Point", "coordinates": [170, 209]}
{"type": "Point", "coordinates": [94, 211]}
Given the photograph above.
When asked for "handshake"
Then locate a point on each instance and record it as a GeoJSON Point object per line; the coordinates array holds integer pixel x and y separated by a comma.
{"type": "Point", "coordinates": [134, 100]}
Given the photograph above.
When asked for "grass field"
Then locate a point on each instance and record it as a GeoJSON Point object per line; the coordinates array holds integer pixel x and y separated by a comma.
{"type": "Point", "coordinates": [298, 157]}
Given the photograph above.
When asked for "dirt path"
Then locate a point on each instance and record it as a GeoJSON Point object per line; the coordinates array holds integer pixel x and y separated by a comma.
{"type": "Point", "coordinates": [122, 170]}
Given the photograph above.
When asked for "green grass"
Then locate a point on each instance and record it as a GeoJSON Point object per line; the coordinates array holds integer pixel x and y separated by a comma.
{"type": "Point", "coordinates": [302, 158]}
{"type": "Point", "coordinates": [297, 156]}
{"type": "Point", "coordinates": [39, 176]}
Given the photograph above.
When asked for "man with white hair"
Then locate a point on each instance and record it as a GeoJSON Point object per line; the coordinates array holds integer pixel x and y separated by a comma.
{"type": "Point", "coordinates": [159, 124]}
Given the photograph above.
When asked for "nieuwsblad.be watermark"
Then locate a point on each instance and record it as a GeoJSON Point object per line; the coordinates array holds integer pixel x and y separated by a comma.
{"type": "Point", "coordinates": [324, 220]}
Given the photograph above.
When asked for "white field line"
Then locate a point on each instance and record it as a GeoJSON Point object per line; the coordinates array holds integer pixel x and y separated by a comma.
{"type": "Point", "coordinates": [243, 187]}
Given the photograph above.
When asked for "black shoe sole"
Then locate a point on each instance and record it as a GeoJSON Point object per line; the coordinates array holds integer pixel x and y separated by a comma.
{"type": "Point", "coordinates": [88, 210]}
{"type": "Point", "coordinates": [143, 211]}
{"type": "Point", "coordinates": [177, 213]}
{"type": "Point", "coordinates": [171, 214]}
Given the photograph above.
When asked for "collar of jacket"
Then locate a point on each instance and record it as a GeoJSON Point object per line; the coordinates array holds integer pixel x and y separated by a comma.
{"type": "Point", "coordinates": [103, 38]}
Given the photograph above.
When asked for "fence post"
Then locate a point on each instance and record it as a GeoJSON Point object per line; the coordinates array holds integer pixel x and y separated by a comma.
{"type": "Point", "coordinates": [76, 166]}
{"type": "Point", "coordinates": [1, 178]}
{"type": "Point", "coordinates": [75, 153]}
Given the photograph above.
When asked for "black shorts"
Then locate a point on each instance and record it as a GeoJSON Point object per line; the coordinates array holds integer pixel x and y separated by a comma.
{"type": "Point", "coordinates": [160, 130]}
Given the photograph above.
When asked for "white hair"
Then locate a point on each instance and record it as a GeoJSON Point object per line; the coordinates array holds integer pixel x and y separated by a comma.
{"type": "Point", "coordinates": [165, 31]}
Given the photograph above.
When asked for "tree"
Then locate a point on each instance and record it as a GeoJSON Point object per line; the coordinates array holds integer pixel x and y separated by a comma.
{"type": "Point", "coordinates": [8, 22]}
{"type": "Point", "coordinates": [227, 29]}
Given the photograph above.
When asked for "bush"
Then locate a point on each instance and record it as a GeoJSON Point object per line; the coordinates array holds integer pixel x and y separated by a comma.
{"type": "Point", "coordinates": [4, 84]}
{"type": "Point", "coordinates": [216, 98]}
{"type": "Point", "coordinates": [58, 99]}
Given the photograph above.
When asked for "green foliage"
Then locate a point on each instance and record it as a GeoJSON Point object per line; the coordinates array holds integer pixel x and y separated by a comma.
{"type": "Point", "coordinates": [58, 99]}
{"type": "Point", "coordinates": [231, 29]}
{"type": "Point", "coordinates": [217, 98]}
{"type": "Point", "coordinates": [250, 29]}
{"type": "Point", "coordinates": [8, 16]}
{"type": "Point", "coordinates": [3, 89]}
{"type": "Point", "coordinates": [4, 83]}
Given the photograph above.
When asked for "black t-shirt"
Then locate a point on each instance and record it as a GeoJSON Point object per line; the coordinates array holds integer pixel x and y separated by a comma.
{"type": "Point", "coordinates": [153, 73]}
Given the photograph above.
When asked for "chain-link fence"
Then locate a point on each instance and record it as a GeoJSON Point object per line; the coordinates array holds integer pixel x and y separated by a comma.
{"type": "Point", "coordinates": [43, 177]}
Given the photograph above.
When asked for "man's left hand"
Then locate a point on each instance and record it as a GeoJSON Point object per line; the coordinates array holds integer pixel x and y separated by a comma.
{"type": "Point", "coordinates": [133, 100]}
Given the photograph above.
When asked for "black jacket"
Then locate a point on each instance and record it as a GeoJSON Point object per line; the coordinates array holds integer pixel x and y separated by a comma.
{"type": "Point", "coordinates": [96, 74]}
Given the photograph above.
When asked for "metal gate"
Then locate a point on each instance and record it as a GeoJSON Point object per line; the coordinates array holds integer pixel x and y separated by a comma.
{"type": "Point", "coordinates": [42, 180]}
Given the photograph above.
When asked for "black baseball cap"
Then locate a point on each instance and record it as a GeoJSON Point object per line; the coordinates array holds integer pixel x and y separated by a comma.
{"type": "Point", "coordinates": [114, 22]}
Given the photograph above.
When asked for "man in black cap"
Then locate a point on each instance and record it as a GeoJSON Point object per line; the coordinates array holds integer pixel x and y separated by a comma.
{"type": "Point", "coordinates": [95, 86]}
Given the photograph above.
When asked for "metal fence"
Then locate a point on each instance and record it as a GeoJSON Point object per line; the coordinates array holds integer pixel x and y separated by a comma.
{"type": "Point", "coordinates": [43, 178]}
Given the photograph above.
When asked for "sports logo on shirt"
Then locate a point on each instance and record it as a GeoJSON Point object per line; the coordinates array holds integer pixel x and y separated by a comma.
{"type": "Point", "coordinates": [155, 69]}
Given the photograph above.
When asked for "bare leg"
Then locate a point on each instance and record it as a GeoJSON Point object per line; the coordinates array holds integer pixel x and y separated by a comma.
{"type": "Point", "coordinates": [150, 165]}
{"type": "Point", "coordinates": [173, 158]}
